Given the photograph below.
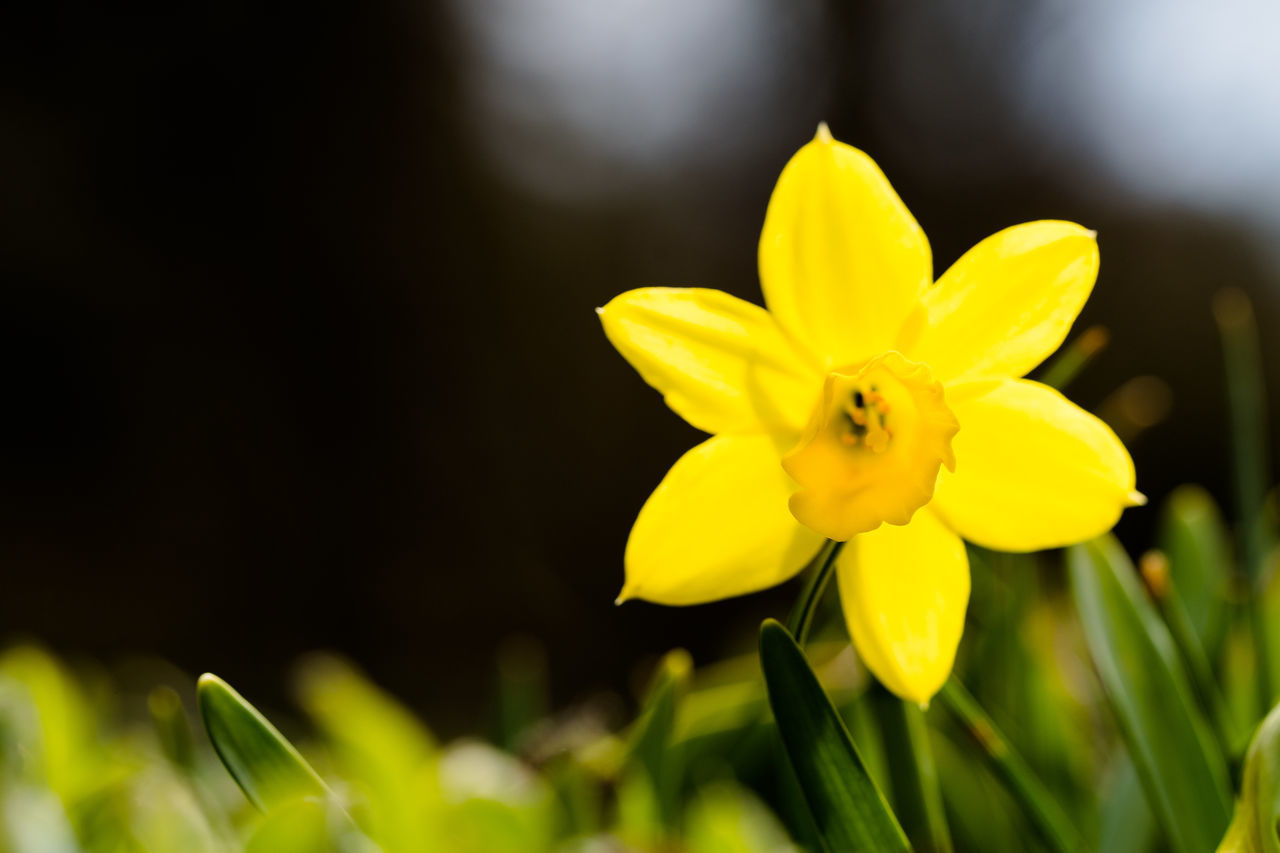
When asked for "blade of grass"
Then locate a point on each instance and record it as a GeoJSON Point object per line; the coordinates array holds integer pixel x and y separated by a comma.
{"type": "Point", "coordinates": [1164, 592]}
{"type": "Point", "coordinates": [1194, 538]}
{"type": "Point", "coordinates": [171, 727]}
{"type": "Point", "coordinates": [1246, 399]}
{"type": "Point", "coordinates": [264, 764]}
{"type": "Point", "coordinates": [1052, 824]}
{"type": "Point", "coordinates": [913, 775]}
{"type": "Point", "coordinates": [653, 754]}
{"type": "Point", "coordinates": [848, 808]}
{"type": "Point", "coordinates": [1182, 770]}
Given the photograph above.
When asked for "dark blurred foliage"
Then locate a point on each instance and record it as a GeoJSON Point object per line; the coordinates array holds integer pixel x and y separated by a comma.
{"type": "Point", "coordinates": [291, 361]}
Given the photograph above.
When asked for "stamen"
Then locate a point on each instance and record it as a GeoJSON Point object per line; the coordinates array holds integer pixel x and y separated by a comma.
{"type": "Point", "coordinates": [866, 411]}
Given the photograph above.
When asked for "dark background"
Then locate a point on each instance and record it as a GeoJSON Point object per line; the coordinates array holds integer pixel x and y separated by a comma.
{"type": "Point", "coordinates": [297, 346]}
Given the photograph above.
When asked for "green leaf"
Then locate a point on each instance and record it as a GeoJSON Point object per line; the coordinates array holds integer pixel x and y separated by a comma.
{"type": "Point", "coordinates": [1250, 462]}
{"type": "Point", "coordinates": [172, 730]}
{"type": "Point", "coordinates": [653, 756]}
{"type": "Point", "coordinates": [1180, 766]}
{"type": "Point", "coordinates": [1256, 826]}
{"type": "Point", "coordinates": [983, 815]}
{"type": "Point", "coordinates": [724, 818]}
{"type": "Point", "coordinates": [1195, 540]}
{"type": "Point", "coordinates": [299, 827]}
{"type": "Point", "coordinates": [265, 765]}
{"type": "Point", "coordinates": [1127, 824]}
{"type": "Point", "coordinates": [377, 744]}
{"type": "Point", "coordinates": [913, 777]}
{"type": "Point", "coordinates": [849, 810]}
{"type": "Point", "coordinates": [522, 690]}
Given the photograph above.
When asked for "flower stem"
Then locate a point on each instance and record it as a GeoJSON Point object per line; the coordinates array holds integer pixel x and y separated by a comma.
{"type": "Point", "coordinates": [1050, 821]}
{"type": "Point", "coordinates": [801, 618]}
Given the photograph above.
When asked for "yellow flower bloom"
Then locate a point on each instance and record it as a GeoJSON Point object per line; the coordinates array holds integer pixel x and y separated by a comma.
{"type": "Point", "coordinates": [872, 405]}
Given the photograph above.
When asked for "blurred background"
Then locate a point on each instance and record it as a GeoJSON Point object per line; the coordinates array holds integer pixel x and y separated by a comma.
{"type": "Point", "coordinates": [298, 348]}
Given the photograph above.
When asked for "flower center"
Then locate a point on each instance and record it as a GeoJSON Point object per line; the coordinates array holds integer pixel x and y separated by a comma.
{"type": "Point", "coordinates": [867, 411]}
{"type": "Point", "coordinates": [873, 447]}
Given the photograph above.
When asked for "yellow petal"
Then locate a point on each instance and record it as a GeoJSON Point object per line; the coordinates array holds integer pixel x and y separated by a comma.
{"type": "Point", "coordinates": [872, 450]}
{"type": "Point", "coordinates": [904, 591]}
{"type": "Point", "coordinates": [1008, 303]}
{"type": "Point", "coordinates": [1033, 470]}
{"type": "Point", "coordinates": [842, 261]}
{"type": "Point", "coordinates": [717, 526]}
{"type": "Point", "coordinates": [721, 363]}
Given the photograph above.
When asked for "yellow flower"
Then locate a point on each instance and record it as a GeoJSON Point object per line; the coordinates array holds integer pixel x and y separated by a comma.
{"type": "Point", "coordinates": [872, 405]}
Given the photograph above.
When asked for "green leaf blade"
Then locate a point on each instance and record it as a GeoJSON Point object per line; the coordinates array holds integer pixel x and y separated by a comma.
{"type": "Point", "coordinates": [264, 764]}
{"type": "Point", "coordinates": [1196, 541]}
{"type": "Point", "coordinates": [849, 810]}
{"type": "Point", "coordinates": [1182, 770]}
{"type": "Point", "coordinates": [1256, 825]}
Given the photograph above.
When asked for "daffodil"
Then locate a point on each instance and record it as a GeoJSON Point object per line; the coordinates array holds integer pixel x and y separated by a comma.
{"type": "Point", "coordinates": [871, 405]}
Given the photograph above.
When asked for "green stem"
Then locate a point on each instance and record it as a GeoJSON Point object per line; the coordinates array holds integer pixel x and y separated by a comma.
{"type": "Point", "coordinates": [1048, 818]}
{"type": "Point", "coordinates": [1246, 399]}
{"type": "Point", "coordinates": [801, 619]}
{"type": "Point", "coordinates": [913, 776]}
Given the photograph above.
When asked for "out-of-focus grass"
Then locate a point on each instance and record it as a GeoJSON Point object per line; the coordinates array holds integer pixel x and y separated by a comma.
{"type": "Point", "coordinates": [1122, 700]}
{"type": "Point", "coordinates": [77, 775]}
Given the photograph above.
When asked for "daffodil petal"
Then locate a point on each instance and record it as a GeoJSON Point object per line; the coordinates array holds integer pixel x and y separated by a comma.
{"type": "Point", "coordinates": [720, 362]}
{"type": "Point", "coordinates": [842, 261]}
{"type": "Point", "coordinates": [904, 591]}
{"type": "Point", "coordinates": [1008, 303]}
{"type": "Point", "coordinates": [1033, 470]}
{"type": "Point", "coordinates": [717, 526]}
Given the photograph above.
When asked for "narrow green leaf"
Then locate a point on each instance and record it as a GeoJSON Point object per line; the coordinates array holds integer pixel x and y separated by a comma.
{"type": "Point", "coordinates": [653, 755]}
{"type": "Point", "coordinates": [1172, 607]}
{"type": "Point", "coordinates": [913, 775]}
{"type": "Point", "coordinates": [299, 827]}
{"type": "Point", "coordinates": [724, 818]}
{"type": "Point", "coordinates": [850, 811]}
{"type": "Point", "coordinates": [1181, 768]}
{"type": "Point", "coordinates": [172, 730]}
{"type": "Point", "coordinates": [1127, 823]}
{"type": "Point", "coordinates": [983, 816]}
{"type": "Point", "coordinates": [1194, 538]}
{"type": "Point", "coordinates": [265, 765]}
{"type": "Point", "coordinates": [1047, 817]}
{"type": "Point", "coordinates": [522, 690]}
{"type": "Point", "coordinates": [377, 744]}
{"type": "Point", "coordinates": [1250, 459]}
{"type": "Point", "coordinates": [1256, 826]}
